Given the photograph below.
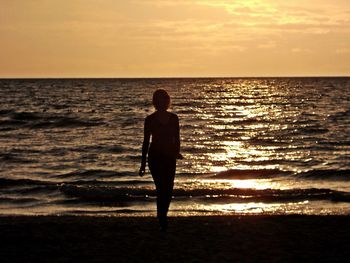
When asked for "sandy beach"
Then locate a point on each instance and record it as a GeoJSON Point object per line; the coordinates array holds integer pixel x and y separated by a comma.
{"type": "Point", "coordinates": [189, 239]}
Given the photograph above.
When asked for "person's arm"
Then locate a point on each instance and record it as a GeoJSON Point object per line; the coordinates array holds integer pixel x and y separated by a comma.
{"type": "Point", "coordinates": [145, 145]}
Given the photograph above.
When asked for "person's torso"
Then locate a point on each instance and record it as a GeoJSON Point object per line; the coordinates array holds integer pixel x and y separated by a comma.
{"type": "Point", "coordinates": [163, 135]}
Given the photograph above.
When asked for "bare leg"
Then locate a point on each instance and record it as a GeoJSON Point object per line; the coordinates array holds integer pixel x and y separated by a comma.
{"type": "Point", "coordinates": [163, 173]}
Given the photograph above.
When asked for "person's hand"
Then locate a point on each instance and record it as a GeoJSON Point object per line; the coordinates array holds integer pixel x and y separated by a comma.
{"type": "Point", "coordinates": [142, 170]}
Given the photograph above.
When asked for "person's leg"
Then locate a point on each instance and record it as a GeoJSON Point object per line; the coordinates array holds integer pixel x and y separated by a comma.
{"type": "Point", "coordinates": [168, 183]}
{"type": "Point", "coordinates": [163, 195]}
{"type": "Point", "coordinates": [163, 173]}
{"type": "Point", "coordinates": [154, 164]}
{"type": "Point", "coordinates": [162, 201]}
{"type": "Point", "coordinates": [166, 190]}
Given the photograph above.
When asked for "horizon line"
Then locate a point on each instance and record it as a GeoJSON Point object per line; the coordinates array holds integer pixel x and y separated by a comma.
{"type": "Point", "coordinates": [183, 77]}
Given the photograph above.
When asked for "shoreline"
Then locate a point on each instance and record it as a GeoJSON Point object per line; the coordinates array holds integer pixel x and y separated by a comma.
{"type": "Point", "coordinates": [247, 238]}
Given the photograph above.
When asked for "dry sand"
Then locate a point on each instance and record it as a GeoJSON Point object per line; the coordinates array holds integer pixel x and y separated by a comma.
{"type": "Point", "coordinates": [189, 239]}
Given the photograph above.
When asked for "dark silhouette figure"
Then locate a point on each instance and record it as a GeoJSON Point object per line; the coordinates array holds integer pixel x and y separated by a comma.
{"type": "Point", "coordinates": [163, 126]}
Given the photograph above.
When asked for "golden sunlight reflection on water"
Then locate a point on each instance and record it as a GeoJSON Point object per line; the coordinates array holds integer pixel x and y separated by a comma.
{"type": "Point", "coordinates": [257, 208]}
{"type": "Point", "coordinates": [242, 136]}
{"type": "Point", "coordinates": [250, 207]}
{"type": "Point", "coordinates": [258, 184]}
{"type": "Point", "coordinates": [240, 117]}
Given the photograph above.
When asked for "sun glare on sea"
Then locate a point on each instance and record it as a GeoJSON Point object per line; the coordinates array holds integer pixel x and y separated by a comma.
{"type": "Point", "coordinates": [247, 122]}
{"type": "Point", "coordinates": [258, 184]}
{"type": "Point", "coordinates": [246, 208]}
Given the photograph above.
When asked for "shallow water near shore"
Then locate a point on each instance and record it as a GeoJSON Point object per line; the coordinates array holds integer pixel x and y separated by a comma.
{"type": "Point", "coordinates": [251, 146]}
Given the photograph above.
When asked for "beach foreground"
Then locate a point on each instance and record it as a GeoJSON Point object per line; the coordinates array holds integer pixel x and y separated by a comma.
{"type": "Point", "coordinates": [189, 239]}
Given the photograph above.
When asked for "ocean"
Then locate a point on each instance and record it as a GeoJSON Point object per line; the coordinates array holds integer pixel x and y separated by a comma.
{"type": "Point", "coordinates": [250, 146]}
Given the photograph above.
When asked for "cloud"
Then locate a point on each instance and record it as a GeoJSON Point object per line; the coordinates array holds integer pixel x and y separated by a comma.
{"type": "Point", "coordinates": [173, 37]}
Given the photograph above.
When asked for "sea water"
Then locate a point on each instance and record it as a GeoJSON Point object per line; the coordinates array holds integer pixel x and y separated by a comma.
{"type": "Point", "coordinates": [250, 146]}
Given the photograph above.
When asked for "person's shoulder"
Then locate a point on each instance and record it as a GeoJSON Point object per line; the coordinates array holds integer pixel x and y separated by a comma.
{"type": "Point", "coordinates": [149, 117]}
{"type": "Point", "coordinates": [173, 115]}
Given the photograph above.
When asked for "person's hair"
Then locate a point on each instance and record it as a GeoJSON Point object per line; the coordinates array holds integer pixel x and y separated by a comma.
{"type": "Point", "coordinates": [161, 99]}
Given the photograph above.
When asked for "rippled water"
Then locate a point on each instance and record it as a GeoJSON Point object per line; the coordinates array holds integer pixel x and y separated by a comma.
{"type": "Point", "coordinates": [272, 145]}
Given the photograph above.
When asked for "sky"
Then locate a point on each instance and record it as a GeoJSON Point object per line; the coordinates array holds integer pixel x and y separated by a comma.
{"type": "Point", "coordinates": [174, 38]}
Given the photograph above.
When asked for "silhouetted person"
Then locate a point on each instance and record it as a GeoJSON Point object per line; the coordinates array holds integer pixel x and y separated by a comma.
{"type": "Point", "coordinates": [163, 126]}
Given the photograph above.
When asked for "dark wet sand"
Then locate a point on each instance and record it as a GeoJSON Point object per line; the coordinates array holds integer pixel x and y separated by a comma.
{"type": "Point", "coordinates": [189, 239]}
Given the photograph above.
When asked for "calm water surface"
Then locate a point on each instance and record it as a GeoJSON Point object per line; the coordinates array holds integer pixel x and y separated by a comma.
{"type": "Point", "coordinates": [272, 145]}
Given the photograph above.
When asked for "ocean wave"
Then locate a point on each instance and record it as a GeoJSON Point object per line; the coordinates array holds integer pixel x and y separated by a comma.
{"type": "Point", "coordinates": [19, 182]}
{"type": "Point", "coordinates": [64, 122]}
{"type": "Point", "coordinates": [39, 120]}
{"type": "Point", "coordinates": [188, 111]}
{"type": "Point", "coordinates": [250, 174]}
{"type": "Point", "coordinates": [36, 189]}
{"type": "Point", "coordinates": [13, 200]}
{"type": "Point", "coordinates": [100, 148]}
{"type": "Point", "coordinates": [338, 175]}
{"type": "Point", "coordinates": [106, 211]}
{"type": "Point", "coordinates": [6, 112]}
{"type": "Point", "coordinates": [106, 193]}
{"type": "Point", "coordinates": [29, 185]}
{"type": "Point", "coordinates": [111, 183]}
{"type": "Point", "coordinates": [13, 158]}
{"type": "Point", "coordinates": [132, 194]}
{"type": "Point", "coordinates": [247, 121]}
{"type": "Point", "coordinates": [340, 116]}
{"type": "Point", "coordinates": [198, 150]}
{"type": "Point", "coordinates": [94, 174]}
{"type": "Point", "coordinates": [268, 141]}
{"type": "Point", "coordinates": [265, 162]}
{"type": "Point", "coordinates": [116, 149]}
{"type": "Point", "coordinates": [25, 116]}
{"type": "Point", "coordinates": [11, 123]}
{"type": "Point", "coordinates": [335, 143]}
{"type": "Point", "coordinates": [315, 129]}
{"type": "Point", "coordinates": [194, 175]}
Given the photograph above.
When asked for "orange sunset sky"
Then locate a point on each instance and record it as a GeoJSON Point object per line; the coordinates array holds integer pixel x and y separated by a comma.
{"type": "Point", "coordinates": [174, 38]}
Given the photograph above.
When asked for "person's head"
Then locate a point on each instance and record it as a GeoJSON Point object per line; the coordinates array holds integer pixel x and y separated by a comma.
{"type": "Point", "coordinates": [161, 99]}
